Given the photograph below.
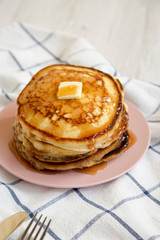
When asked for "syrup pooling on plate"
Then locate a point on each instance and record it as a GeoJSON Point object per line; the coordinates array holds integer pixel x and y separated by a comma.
{"type": "Point", "coordinates": [70, 133]}
{"type": "Point", "coordinates": [132, 138]}
{"type": "Point", "coordinates": [138, 126]}
{"type": "Point", "coordinates": [92, 170]}
{"type": "Point", "coordinates": [25, 163]}
{"type": "Point", "coordinates": [88, 170]}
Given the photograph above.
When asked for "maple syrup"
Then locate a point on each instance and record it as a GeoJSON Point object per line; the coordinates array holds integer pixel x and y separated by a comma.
{"type": "Point", "coordinates": [67, 90]}
{"type": "Point", "coordinates": [26, 164]}
{"type": "Point", "coordinates": [88, 170]}
{"type": "Point", "coordinates": [132, 139]}
{"type": "Point", "coordinates": [92, 170]}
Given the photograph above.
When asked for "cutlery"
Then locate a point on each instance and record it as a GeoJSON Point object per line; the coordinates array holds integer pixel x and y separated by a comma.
{"type": "Point", "coordinates": [33, 231]}
{"type": "Point", "coordinates": [10, 224]}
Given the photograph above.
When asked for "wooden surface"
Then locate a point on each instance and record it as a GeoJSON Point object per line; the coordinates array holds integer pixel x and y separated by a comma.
{"type": "Point", "coordinates": [127, 32]}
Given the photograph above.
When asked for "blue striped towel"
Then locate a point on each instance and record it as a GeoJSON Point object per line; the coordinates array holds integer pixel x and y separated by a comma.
{"type": "Point", "coordinates": [125, 208]}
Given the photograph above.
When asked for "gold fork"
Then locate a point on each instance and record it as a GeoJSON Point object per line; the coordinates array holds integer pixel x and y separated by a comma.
{"type": "Point", "coordinates": [26, 232]}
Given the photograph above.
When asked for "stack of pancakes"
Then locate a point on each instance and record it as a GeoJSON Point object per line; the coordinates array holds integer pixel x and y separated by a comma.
{"type": "Point", "coordinates": [62, 134]}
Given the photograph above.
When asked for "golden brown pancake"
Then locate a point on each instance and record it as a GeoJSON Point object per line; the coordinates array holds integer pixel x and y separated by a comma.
{"type": "Point", "coordinates": [69, 132]}
{"type": "Point", "coordinates": [102, 155]}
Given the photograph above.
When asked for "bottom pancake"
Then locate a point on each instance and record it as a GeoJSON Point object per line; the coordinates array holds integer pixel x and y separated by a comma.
{"type": "Point", "coordinates": [102, 155]}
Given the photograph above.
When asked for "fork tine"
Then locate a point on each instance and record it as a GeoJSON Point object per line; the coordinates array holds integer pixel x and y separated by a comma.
{"type": "Point", "coordinates": [40, 228]}
{"type": "Point", "coordinates": [28, 227]}
{"type": "Point", "coordinates": [44, 233]}
{"type": "Point", "coordinates": [34, 228]}
{"type": "Point", "coordinates": [30, 235]}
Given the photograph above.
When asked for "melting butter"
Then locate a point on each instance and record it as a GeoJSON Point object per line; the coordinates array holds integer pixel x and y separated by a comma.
{"type": "Point", "coordinates": [69, 90]}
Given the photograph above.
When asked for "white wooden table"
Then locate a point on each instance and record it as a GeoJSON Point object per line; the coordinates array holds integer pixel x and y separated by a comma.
{"type": "Point", "coordinates": [126, 32]}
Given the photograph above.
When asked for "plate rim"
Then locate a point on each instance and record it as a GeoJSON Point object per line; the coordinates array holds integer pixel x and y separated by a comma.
{"type": "Point", "coordinates": [90, 178]}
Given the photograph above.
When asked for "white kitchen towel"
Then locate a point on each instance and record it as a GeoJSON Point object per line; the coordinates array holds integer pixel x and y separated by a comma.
{"type": "Point", "coordinates": [125, 208]}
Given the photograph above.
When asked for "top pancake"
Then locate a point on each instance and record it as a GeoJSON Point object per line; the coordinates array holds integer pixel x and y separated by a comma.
{"type": "Point", "coordinates": [78, 124]}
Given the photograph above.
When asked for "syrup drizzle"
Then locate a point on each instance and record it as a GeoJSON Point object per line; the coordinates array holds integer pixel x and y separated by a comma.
{"type": "Point", "coordinates": [26, 164]}
{"type": "Point", "coordinates": [92, 170]}
{"type": "Point", "coordinates": [89, 170]}
{"type": "Point", "coordinates": [67, 90]}
{"type": "Point", "coordinates": [132, 139]}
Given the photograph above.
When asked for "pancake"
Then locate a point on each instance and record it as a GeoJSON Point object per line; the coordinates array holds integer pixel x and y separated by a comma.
{"type": "Point", "coordinates": [102, 155]}
{"type": "Point", "coordinates": [70, 133]}
{"type": "Point", "coordinates": [49, 153]}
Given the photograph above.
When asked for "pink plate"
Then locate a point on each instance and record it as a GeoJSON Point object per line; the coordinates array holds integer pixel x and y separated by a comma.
{"type": "Point", "coordinates": [72, 179]}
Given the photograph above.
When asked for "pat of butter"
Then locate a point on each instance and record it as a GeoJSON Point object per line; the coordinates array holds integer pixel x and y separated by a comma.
{"type": "Point", "coordinates": [69, 90]}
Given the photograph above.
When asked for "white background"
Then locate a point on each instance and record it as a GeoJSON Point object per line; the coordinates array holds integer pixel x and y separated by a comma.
{"type": "Point", "coordinates": [126, 32]}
